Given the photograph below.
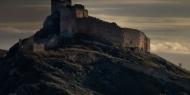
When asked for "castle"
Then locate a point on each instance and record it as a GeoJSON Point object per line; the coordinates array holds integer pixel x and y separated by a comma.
{"type": "Point", "coordinates": [68, 15]}
{"type": "Point", "coordinates": [74, 19]}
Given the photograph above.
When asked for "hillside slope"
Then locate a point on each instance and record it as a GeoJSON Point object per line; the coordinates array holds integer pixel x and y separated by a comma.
{"type": "Point", "coordinates": [91, 70]}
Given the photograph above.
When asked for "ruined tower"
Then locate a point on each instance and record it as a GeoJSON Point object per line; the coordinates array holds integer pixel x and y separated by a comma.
{"type": "Point", "coordinates": [67, 19]}
{"type": "Point", "coordinates": [57, 4]}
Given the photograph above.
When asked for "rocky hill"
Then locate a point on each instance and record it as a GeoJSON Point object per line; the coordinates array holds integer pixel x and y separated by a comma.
{"type": "Point", "coordinates": [91, 69]}
{"type": "Point", "coordinates": [85, 64]}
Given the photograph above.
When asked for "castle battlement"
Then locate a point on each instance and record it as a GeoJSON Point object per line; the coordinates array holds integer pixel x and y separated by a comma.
{"type": "Point", "coordinates": [57, 5]}
{"type": "Point", "coordinates": [80, 11]}
{"type": "Point", "coordinates": [68, 15]}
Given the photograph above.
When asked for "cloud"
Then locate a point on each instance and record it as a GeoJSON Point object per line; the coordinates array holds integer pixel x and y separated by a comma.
{"type": "Point", "coordinates": [15, 30]}
{"type": "Point", "coordinates": [153, 26]}
{"type": "Point", "coordinates": [170, 47]}
{"type": "Point", "coordinates": [105, 2]}
{"type": "Point", "coordinates": [10, 35]}
{"type": "Point", "coordinates": [9, 29]}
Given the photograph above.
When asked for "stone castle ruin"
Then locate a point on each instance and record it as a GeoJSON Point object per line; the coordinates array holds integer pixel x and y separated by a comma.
{"type": "Point", "coordinates": [74, 19]}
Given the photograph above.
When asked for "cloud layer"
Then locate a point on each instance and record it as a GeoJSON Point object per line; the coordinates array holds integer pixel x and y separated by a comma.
{"type": "Point", "coordinates": [170, 47]}
{"type": "Point", "coordinates": [10, 35]}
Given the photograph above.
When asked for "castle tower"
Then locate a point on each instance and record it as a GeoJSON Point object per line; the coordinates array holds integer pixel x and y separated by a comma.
{"type": "Point", "coordinates": [67, 19]}
{"type": "Point", "coordinates": [66, 2]}
{"type": "Point", "coordinates": [57, 4]}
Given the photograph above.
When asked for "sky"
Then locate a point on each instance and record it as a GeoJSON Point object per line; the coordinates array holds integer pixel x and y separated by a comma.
{"type": "Point", "coordinates": [166, 22]}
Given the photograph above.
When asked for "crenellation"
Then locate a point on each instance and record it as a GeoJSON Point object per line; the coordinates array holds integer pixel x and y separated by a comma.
{"type": "Point", "coordinates": [79, 6]}
{"type": "Point", "coordinates": [68, 15]}
{"type": "Point", "coordinates": [80, 10]}
{"type": "Point", "coordinates": [56, 5]}
{"type": "Point", "coordinates": [66, 2]}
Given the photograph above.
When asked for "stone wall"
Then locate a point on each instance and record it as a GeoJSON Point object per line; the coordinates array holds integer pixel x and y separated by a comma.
{"type": "Point", "coordinates": [131, 38]}
{"type": "Point", "coordinates": [147, 44]}
{"type": "Point", "coordinates": [79, 13]}
{"type": "Point", "coordinates": [57, 4]}
{"type": "Point", "coordinates": [122, 37]}
{"type": "Point", "coordinates": [66, 2]}
{"type": "Point", "coordinates": [99, 29]}
{"type": "Point", "coordinates": [85, 13]}
{"type": "Point", "coordinates": [67, 22]}
{"type": "Point", "coordinates": [135, 39]}
{"type": "Point", "coordinates": [38, 47]}
{"type": "Point", "coordinates": [127, 38]}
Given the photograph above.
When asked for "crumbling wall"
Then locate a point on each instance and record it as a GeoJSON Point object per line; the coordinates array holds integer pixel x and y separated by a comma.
{"type": "Point", "coordinates": [147, 47]}
{"type": "Point", "coordinates": [56, 5]}
{"type": "Point", "coordinates": [131, 38]}
{"type": "Point", "coordinates": [79, 13]}
{"type": "Point", "coordinates": [66, 2]}
{"type": "Point", "coordinates": [99, 29]}
{"type": "Point", "coordinates": [142, 41]}
{"type": "Point", "coordinates": [85, 13]}
{"type": "Point", "coordinates": [134, 39]}
{"type": "Point", "coordinates": [67, 22]}
{"type": "Point", "coordinates": [38, 47]}
{"type": "Point", "coordinates": [128, 38]}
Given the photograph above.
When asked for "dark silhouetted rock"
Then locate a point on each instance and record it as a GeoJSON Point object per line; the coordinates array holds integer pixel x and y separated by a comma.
{"type": "Point", "coordinates": [91, 69]}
